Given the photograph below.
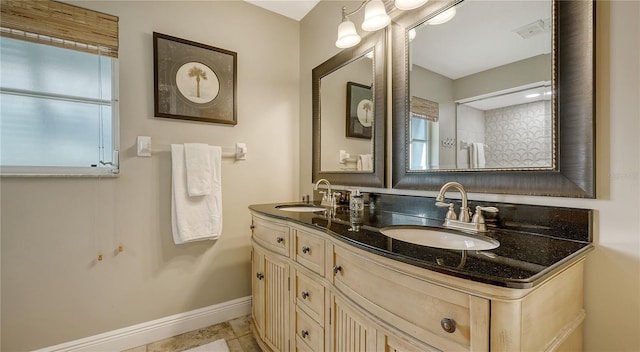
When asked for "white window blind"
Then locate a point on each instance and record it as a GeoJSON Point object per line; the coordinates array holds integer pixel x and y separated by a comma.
{"type": "Point", "coordinates": [59, 110]}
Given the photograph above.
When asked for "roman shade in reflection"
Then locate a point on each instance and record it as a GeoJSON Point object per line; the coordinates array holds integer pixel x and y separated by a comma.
{"type": "Point", "coordinates": [58, 24]}
{"type": "Point", "coordinates": [425, 109]}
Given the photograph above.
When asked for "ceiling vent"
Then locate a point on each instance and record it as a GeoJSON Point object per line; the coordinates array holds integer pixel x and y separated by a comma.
{"type": "Point", "coordinates": [534, 28]}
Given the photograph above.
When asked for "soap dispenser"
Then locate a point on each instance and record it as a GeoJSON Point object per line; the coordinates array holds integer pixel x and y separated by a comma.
{"type": "Point", "coordinates": [356, 209]}
{"type": "Point", "coordinates": [356, 201]}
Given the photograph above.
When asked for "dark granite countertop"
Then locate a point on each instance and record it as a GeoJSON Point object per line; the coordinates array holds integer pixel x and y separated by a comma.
{"type": "Point", "coordinates": [523, 259]}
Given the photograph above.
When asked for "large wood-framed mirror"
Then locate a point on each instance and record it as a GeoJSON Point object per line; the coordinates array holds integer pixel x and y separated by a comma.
{"type": "Point", "coordinates": [349, 115]}
{"type": "Point", "coordinates": [448, 124]}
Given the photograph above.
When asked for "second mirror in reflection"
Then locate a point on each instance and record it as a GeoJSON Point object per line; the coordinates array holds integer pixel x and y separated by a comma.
{"type": "Point", "coordinates": [347, 111]}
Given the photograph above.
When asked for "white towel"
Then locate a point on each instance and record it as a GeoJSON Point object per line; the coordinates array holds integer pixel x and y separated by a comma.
{"type": "Point", "coordinates": [195, 218]}
{"type": "Point", "coordinates": [197, 160]}
{"type": "Point", "coordinates": [365, 162]}
{"type": "Point", "coordinates": [477, 155]}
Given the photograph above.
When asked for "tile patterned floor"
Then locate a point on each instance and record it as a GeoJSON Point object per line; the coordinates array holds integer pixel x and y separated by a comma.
{"type": "Point", "coordinates": [236, 332]}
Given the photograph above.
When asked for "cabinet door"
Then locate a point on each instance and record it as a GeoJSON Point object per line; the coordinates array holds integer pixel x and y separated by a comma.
{"type": "Point", "coordinates": [350, 331]}
{"type": "Point", "coordinates": [257, 290]}
{"type": "Point", "coordinates": [271, 299]}
{"type": "Point", "coordinates": [276, 293]}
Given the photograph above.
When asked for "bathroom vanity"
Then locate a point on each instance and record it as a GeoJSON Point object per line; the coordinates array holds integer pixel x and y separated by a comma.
{"type": "Point", "coordinates": [321, 282]}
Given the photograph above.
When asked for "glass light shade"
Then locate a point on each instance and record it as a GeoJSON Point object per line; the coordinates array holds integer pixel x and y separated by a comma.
{"type": "Point", "coordinates": [412, 34]}
{"type": "Point", "coordinates": [375, 16]}
{"type": "Point", "coordinates": [443, 17]}
{"type": "Point", "coordinates": [409, 4]}
{"type": "Point", "coordinates": [347, 35]}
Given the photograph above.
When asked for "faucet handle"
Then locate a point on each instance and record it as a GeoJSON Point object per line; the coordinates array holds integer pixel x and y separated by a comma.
{"type": "Point", "coordinates": [478, 218]}
{"type": "Point", "coordinates": [451, 214]}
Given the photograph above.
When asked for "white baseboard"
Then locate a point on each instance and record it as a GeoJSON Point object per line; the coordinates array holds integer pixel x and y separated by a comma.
{"type": "Point", "coordinates": [144, 333]}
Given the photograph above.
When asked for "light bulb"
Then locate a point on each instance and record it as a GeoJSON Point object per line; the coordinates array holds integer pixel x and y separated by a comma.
{"type": "Point", "coordinates": [375, 16]}
{"type": "Point", "coordinates": [443, 17]}
{"type": "Point", "coordinates": [409, 4]}
{"type": "Point", "coordinates": [347, 35]}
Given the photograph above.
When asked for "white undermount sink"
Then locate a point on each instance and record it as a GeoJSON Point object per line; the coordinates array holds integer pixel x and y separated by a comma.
{"type": "Point", "coordinates": [440, 238]}
{"type": "Point", "coordinates": [300, 208]}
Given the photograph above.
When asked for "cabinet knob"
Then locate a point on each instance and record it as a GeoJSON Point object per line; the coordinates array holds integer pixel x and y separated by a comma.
{"type": "Point", "coordinates": [252, 227]}
{"type": "Point", "coordinates": [279, 239]}
{"type": "Point", "coordinates": [304, 333]}
{"type": "Point", "coordinates": [336, 269]}
{"type": "Point", "coordinates": [305, 294]}
{"type": "Point", "coordinates": [260, 276]}
{"type": "Point", "coordinates": [448, 325]}
{"type": "Point", "coordinates": [305, 249]}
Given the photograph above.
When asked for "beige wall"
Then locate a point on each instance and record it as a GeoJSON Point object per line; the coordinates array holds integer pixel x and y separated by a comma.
{"type": "Point", "coordinates": [516, 74]}
{"type": "Point", "coordinates": [613, 270]}
{"type": "Point", "coordinates": [53, 289]}
{"type": "Point", "coordinates": [52, 229]}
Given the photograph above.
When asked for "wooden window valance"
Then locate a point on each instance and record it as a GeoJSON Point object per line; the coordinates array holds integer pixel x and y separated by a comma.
{"type": "Point", "coordinates": [425, 109]}
{"type": "Point", "coordinates": [59, 24]}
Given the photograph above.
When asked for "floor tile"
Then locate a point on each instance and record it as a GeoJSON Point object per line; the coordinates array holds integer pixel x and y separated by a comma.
{"type": "Point", "coordinates": [241, 326]}
{"type": "Point", "coordinates": [193, 338]}
{"type": "Point", "coordinates": [234, 346]}
{"type": "Point", "coordinates": [236, 332]}
{"type": "Point", "coordinates": [249, 344]}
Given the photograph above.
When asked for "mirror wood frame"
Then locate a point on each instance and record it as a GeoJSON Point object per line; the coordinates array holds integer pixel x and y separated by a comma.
{"type": "Point", "coordinates": [376, 42]}
{"type": "Point", "coordinates": [574, 65]}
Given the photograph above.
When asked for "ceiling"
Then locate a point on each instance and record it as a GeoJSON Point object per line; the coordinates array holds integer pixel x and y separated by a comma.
{"type": "Point", "coordinates": [295, 9]}
{"type": "Point", "coordinates": [481, 36]}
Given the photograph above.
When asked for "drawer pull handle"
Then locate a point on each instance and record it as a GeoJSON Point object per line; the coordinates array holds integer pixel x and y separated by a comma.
{"type": "Point", "coordinates": [337, 268]}
{"type": "Point", "coordinates": [260, 276]}
{"type": "Point", "coordinates": [279, 239]}
{"type": "Point", "coordinates": [304, 333]}
{"type": "Point", "coordinates": [305, 294]}
{"type": "Point", "coordinates": [305, 249]}
{"type": "Point", "coordinates": [448, 325]}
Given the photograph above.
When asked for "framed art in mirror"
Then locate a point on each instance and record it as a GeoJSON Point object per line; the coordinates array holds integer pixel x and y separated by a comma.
{"type": "Point", "coordinates": [566, 101]}
{"type": "Point", "coordinates": [359, 111]}
{"type": "Point", "coordinates": [193, 81]}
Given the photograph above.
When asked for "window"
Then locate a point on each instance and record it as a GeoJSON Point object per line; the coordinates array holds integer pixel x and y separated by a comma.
{"type": "Point", "coordinates": [419, 144]}
{"type": "Point", "coordinates": [58, 98]}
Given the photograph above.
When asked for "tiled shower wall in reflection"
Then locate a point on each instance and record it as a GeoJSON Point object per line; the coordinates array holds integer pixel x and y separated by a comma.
{"type": "Point", "coordinates": [519, 136]}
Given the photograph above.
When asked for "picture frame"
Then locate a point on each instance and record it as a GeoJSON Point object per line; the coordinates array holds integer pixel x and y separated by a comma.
{"type": "Point", "coordinates": [194, 81]}
{"type": "Point", "coordinates": [360, 113]}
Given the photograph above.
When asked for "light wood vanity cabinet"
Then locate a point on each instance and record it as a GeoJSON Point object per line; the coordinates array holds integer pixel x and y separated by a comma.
{"type": "Point", "coordinates": [336, 297]}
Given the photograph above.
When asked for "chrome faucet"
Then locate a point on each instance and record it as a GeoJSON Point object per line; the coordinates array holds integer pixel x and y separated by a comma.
{"type": "Point", "coordinates": [328, 197]}
{"type": "Point", "coordinates": [463, 221]}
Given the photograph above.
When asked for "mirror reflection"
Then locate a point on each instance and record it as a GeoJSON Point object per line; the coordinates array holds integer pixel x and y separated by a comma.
{"type": "Point", "coordinates": [481, 94]}
{"type": "Point", "coordinates": [347, 117]}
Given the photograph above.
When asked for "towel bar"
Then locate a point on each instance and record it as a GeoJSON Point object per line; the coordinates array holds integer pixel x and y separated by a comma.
{"type": "Point", "coordinates": [239, 152]}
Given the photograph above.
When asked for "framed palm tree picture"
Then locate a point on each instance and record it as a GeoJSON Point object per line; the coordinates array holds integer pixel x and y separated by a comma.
{"type": "Point", "coordinates": [359, 111]}
{"type": "Point", "coordinates": [193, 81]}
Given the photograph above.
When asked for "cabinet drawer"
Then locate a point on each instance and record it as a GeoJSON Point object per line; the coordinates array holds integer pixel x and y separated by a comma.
{"type": "Point", "coordinates": [309, 251]}
{"type": "Point", "coordinates": [413, 305]}
{"type": "Point", "coordinates": [310, 296]}
{"type": "Point", "coordinates": [308, 332]}
{"type": "Point", "coordinates": [271, 235]}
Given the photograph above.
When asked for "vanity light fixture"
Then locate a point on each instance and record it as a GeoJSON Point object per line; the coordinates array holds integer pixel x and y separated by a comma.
{"type": "Point", "coordinates": [443, 17]}
{"type": "Point", "coordinates": [375, 18]}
